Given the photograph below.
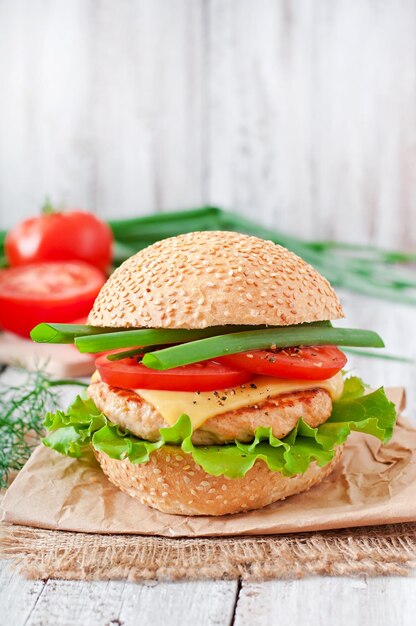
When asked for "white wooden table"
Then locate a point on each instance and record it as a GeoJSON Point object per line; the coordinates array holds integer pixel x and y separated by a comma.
{"type": "Point", "coordinates": [313, 601]}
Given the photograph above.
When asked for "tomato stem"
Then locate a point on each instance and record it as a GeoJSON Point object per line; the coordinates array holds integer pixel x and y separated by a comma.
{"type": "Point", "coordinates": [47, 208]}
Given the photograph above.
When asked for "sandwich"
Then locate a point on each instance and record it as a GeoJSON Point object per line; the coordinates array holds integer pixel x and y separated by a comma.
{"type": "Point", "coordinates": [219, 384]}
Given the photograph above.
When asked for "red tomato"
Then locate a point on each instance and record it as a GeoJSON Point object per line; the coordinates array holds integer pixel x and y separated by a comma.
{"type": "Point", "coordinates": [75, 235]}
{"type": "Point", "coordinates": [307, 363]}
{"type": "Point", "coordinates": [58, 291]}
{"type": "Point", "coordinates": [205, 376]}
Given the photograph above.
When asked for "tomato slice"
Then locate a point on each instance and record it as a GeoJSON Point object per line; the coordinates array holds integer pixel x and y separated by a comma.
{"type": "Point", "coordinates": [58, 291]}
{"type": "Point", "coordinates": [307, 363]}
{"type": "Point", "coordinates": [204, 376]}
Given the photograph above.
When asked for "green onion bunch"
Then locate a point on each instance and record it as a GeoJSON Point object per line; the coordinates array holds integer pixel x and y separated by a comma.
{"type": "Point", "coordinates": [389, 275]}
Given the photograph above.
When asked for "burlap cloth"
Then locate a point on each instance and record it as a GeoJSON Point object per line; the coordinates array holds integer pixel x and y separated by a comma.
{"type": "Point", "coordinates": [369, 551]}
{"type": "Point", "coordinates": [388, 549]}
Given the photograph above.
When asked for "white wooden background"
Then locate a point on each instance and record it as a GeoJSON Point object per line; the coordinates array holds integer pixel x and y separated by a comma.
{"type": "Point", "coordinates": [301, 114]}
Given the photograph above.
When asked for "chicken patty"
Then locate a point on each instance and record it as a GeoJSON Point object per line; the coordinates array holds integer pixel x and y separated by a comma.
{"type": "Point", "coordinates": [281, 413]}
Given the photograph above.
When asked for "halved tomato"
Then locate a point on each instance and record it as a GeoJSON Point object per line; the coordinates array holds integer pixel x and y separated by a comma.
{"type": "Point", "coordinates": [58, 291]}
{"type": "Point", "coordinates": [307, 363]}
{"type": "Point", "coordinates": [204, 376]}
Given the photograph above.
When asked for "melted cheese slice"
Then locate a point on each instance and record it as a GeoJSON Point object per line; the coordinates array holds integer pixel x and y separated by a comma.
{"type": "Point", "coordinates": [202, 406]}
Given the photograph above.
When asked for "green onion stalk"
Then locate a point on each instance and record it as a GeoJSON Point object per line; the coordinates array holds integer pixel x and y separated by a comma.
{"type": "Point", "coordinates": [192, 346]}
{"type": "Point", "coordinates": [214, 347]}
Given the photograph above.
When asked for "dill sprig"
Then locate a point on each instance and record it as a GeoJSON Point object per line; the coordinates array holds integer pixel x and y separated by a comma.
{"type": "Point", "coordinates": [22, 411]}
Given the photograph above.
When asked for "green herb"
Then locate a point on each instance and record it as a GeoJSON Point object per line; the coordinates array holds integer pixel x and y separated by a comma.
{"type": "Point", "coordinates": [22, 408]}
{"type": "Point", "coordinates": [65, 333]}
{"type": "Point", "coordinates": [213, 347]}
{"type": "Point", "coordinates": [83, 425]}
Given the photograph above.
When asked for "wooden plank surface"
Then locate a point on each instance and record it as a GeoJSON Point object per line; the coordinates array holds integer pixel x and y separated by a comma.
{"type": "Point", "coordinates": [328, 601]}
{"type": "Point", "coordinates": [68, 603]}
{"type": "Point", "coordinates": [18, 596]}
{"type": "Point", "coordinates": [315, 601]}
{"type": "Point", "coordinates": [298, 114]}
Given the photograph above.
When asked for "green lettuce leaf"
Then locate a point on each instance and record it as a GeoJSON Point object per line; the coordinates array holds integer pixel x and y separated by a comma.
{"type": "Point", "coordinates": [83, 425]}
{"type": "Point", "coordinates": [119, 445]}
{"type": "Point", "coordinates": [354, 387]}
{"type": "Point", "coordinates": [71, 432]}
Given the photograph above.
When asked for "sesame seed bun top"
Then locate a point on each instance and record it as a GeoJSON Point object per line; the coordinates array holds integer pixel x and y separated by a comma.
{"type": "Point", "coordinates": [211, 279]}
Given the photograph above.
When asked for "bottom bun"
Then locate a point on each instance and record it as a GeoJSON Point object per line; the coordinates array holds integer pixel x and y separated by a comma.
{"type": "Point", "coordinates": [172, 483]}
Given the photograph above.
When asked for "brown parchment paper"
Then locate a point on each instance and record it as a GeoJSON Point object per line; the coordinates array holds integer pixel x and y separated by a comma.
{"type": "Point", "coordinates": [374, 485]}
